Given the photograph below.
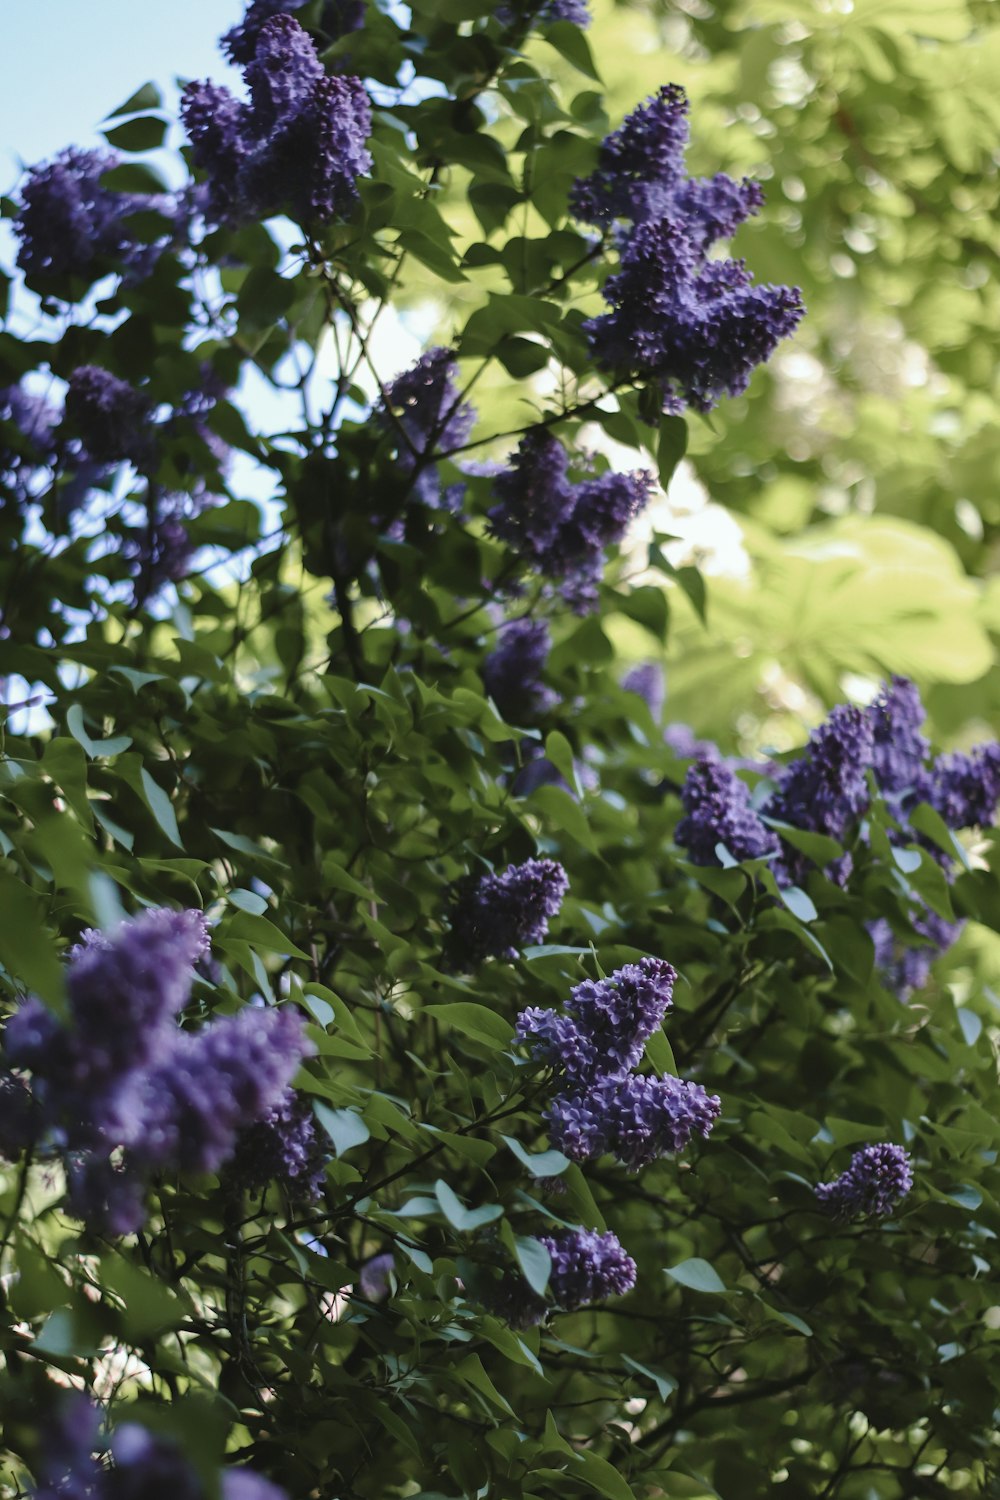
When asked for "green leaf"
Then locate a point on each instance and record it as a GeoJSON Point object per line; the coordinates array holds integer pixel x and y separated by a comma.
{"type": "Point", "coordinates": [697, 1275]}
{"type": "Point", "coordinates": [145, 133]}
{"type": "Point", "coordinates": [146, 97]}
{"type": "Point", "coordinates": [671, 447]}
{"type": "Point", "coordinates": [539, 1163]}
{"type": "Point", "coordinates": [465, 1220]}
{"type": "Point", "coordinates": [602, 1476]}
{"type": "Point", "coordinates": [535, 1262]}
{"type": "Point", "coordinates": [345, 1127]}
{"type": "Point", "coordinates": [474, 1020]}
{"type": "Point", "coordinates": [665, 1384]}
{"type": "Point", "coordinates": [27, 950]}
{"type": "Point", "coordinates": [570, 42]}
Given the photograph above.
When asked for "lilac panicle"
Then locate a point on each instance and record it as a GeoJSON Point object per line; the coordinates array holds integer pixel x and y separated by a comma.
{"type": "Point", "coordinates": [146, 1466]}
{"type": "Point", "coordinates": [718, 811]}
{"type": "Point", "coordinates": [284, 1147]}
{"type": "Point", "coordinates": [587, 1267]}
{"type": "Point", "coordinates": [108, 415]}
{"type": "Point", "coordinates": [877, 1178]}
{"type": "Point", "coordinates": [825, 789]}
{"type": "Point", "coordinates": [648, 680]}
{"type": "Point", "coordinates": [126, 989]}
{"type": "Point", "coordinates": [68, 224]}
{"type": "Point", "coordinates": [642, 160]}
{"type": "Point", "coordinates": [299, 144]}
{"type": "Point", "coordinates": [905, 969]}
{"type": "Point", "coordinates": [558, 527]}
{"type": "Point", "coordinates": [495, 916]}
{"type": "Point", "coordinates": [899, 749]}
{"type": "Point", "coordinates": [608, 1024]}
{"type": "Point", "coordinates": [694, 327]}
{"type": "Point", "coordinates": [637, 1119]}
{"type": "Point", "coordinates": [512, 673]}
{"type": "Point", "coordinates": [337, 19]}
{"type": "Point", "coordinates": [963, 786]}
{"type": "Point", "coordinates": [425, 416]}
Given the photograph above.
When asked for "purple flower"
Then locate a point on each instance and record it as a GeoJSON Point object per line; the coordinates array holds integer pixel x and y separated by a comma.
{"type": "Point", "coordinates": [338, 18]}
{"type": "Point", "coordinates": [244, 1484]}
{"type": "Point", "coordinates": [904, 968]}
{"type": "Point", "coordinates": [587, 1267]}
{"type": "Point", "coordinates": [899, 748]}
{"type": "Point", "coordinates": [216, 1083]}
{"type": "Point", "coordinates": [695, 328]}
{"type": "Point", "coordinates": [512, 674]}
{"type": "Point", "coordinates": [963, 786]}
{"type": "Point", "coordinates": [69, 1469]}
{"type": "Point", "coordinates": [647, 679]}
{"type": "Point", "coordinates": [108, 415]}
{"type": "Point", "coordinates": [20, 1119]}
{"type": "Point", "coordinates": [877, 1178]}
{"type": "Point", "coordinates": [284, 1147]}
{"type": "Point", "coordinates": [637, 1119]}
{"type": "Point", "coordinates": [27, 444]}
{"type": "Point", "coordinates": [640, 165]}
{"type": "Point", "coordinates": [825, 789]}
{"type": "Point", "coordinates": [717, 804]}
{"type": "Point", "coordinates": [161, 551]}
{"type": "Point", "coordinates": [495, 916]}
{"type": "Point", "coordinates": [71, 225]}
{"type": "Point", "coordinates": [426, 415]}
{"type": "Point", "coordinates": [608, 1025]}
{"type": "Point", "coordinates": [574, 11]}
{"type": "Point", "coordinates": [298, 145]}
{"type": "Point", "coordinates": [373, 1278]}
{"type": "Point", "coordinates": [558, 527]}
{"type": "Point", "coordinates": [125, 990]}
{"type": "Point", "coordinates": [682, 740]}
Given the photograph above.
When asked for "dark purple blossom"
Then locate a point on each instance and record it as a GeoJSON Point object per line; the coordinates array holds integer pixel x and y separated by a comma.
{"type": "Point", "coordinates": [608, 1024]}
{"type": "Point", "coordinates": [877, 1178]}
{"type": "Point", "coordinates": [68, 1467]}
{"type": "Point", "coordinates": [425, 415]}
{"type": "Point", "coordinates": [905, 966]}
{"type": "Point", "coordinates": [717, 805]}
{"type": "Point", "coordinates": [495, 916]}
{"type": "Point", "coordinates": [587, 1267]}
{"type": "Point", "coordinates": [299, 144]}
{"type": "Point", "coordinates": [216, 1083]}
{"type": "Point", "coordinates": [647, 679]}
{"type": "Point", "coordinates": [373, 1278]}
{"type": "Point", "coordinates": [899, 748]}
{"type": "Point", "coordinates": [574, 11]}
{"type": "Point", "coordinates": [825, 789]}
{"type": "Point", "coordinates": [20, 1117]}
{"type": "Point", "coordinates": [27, 442]}
{"type": "Point", "coordinates": [338, 18]}
{"type": "Point", "coordinates": [962, 786]}
{"type": "Point", "coordinates": [641, 163]}
{"type": "Point", "coordinates": [160, 551]}
{"type": "Point", "coordinates": [685, 744]}
{"type": "Point", "coordinates": [284, 1147]}
{"type": "Point", "coordinates": [637, 1119]}
{"type": "Point", "coordinates": [512, 673]}
{"type": "Point", "coordinates": [695, 328]}
{"type": "Point", "coordinates": [558, 527]}
{"type": "Point", "coordinates": [108, 415]}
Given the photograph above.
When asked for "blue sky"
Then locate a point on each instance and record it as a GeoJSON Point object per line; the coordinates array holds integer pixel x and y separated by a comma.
{"type": "Point", "coordinates": [65, 64]}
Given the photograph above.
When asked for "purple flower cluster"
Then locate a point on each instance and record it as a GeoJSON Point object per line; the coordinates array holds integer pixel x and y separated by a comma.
{"type": "Point", "coordinates": [602, 1104]}
{"type": "Point", "coordinates": [899, 749]}
{"type": "Point", "coordinates": [283, 1147]}
{"type": "Point", "coordinates": [108, 415]}
{"type": "Point", "coordinates": [648, 681]}
{"type": "Point", "coordinates": [495, 916]}
{"type": "Point", "coordinates": [586, 1267]}
{"type": "Point", "coordinates": [160, 552]}
{"type": "Point", "coordinates": [825, 790]}
{"type": "Point", "coordinates": [143, 1465]}
{"type": "Point", "coordinates": [27, 444]}
{"type": "Point", "coordinates": [718, 811]}
{"type": "Point", "coordinates": [425, 414]}
{"type": "Point", "coordinates": [637, 1119]}
{"type": "Point", "coordinates": [877, 1178]}
{"type": "Point", "coordinates": [298, 145]}
{"type": "Point", "coordinates": [558, 527]}
{"type": "Point", "coordinates": [373, 1278]}
{"type": "Point", "coordinates": [512, 673]}
{"type": "Point", "coordinates": [574, 11]}
{"type": "Point", "coordinates": [122, 1091]}
{"type": "Point", "coordinates": [338, 18]}
{"type": "Point", "coordinates": [963, 786]}
{"type": "Point", "coordinates": [695, 327]}
{"type": "Point", "coordinates": [905, 969]}
{"type": "Point", "coordinates": [69, 224]}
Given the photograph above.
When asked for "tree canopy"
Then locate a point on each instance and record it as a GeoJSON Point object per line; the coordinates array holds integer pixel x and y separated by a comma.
{"type": "Point", "coordinates": [498, 518]}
